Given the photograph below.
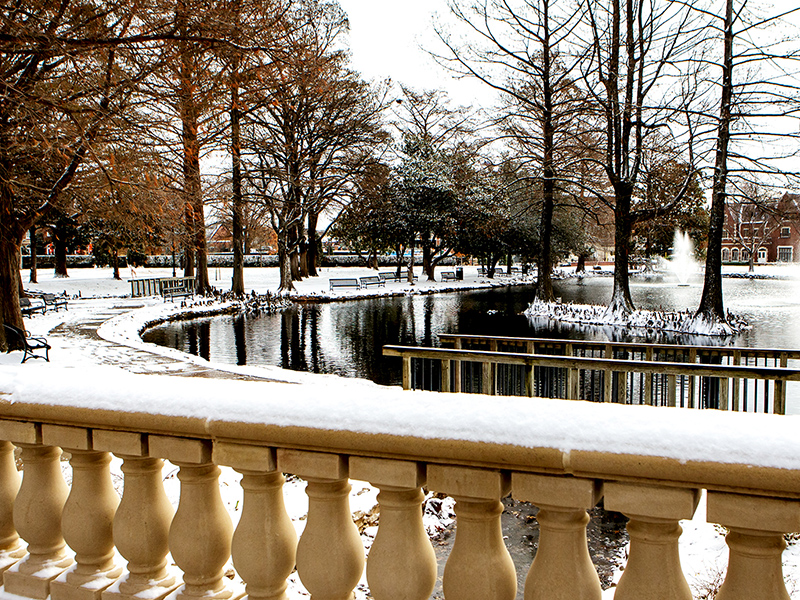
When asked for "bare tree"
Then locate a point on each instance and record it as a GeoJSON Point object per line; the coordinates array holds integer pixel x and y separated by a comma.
{"type": "Point", "coordinates": [310, 130]}
{"type": "Point", "coordinates": [631, 75]}
{"type": "Point", "coordinates": [756, 123]}
{"type": "Point", "coordinates": [66, 70]}
{"type": "Point", "coordinates": [521, 49]}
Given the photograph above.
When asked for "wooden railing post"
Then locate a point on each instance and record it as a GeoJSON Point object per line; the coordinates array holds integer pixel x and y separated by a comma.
{"type": "Point", "coordinates": [141, 523]}
{"type": "Point", "coordinates": [457, 369]}
{"type": "Point", "coordinates": [201, 530]}
{"type": "Point", "coordinates": [479, 565]}
{"type": "Point", "coordinates": [401, 564]}
{"type": "Point", "coordinates": [11, 550]}
{"type": "Point", "coordinates": [87, 518]}
{"type": "Point", "coordinates": [654, 566]}
{"type": "Point", "coordinates": [562, 568]}
{"type": "Point", "coordinates": [755, 540]}
{"type": "Point", "coordinates": [330, 555]}
{"type": "Point", "coordinates": [265, 542]}
{"type": "Point", "coordinates": [37, 518]}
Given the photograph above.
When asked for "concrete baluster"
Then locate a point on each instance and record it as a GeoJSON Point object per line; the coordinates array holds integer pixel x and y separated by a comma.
{"type": "Point", "coordinates": [479, 565]}
{"type": "Point", "coordinates": [654, 565]}
{"type": "Point", "coordinates": [330, 555]}
{"type": "Point", "coordinates": [87, 516]}
{"type": "Point", "coordinates": [201, 530]}
{"type": "Point", "coordinates": [37, 518]}
{"type": "Point", "coordinates": [265, 542]}
{"type": "Point", "coordinates": [401, 564]}
{"type": "Point", "coordinates": [141, 523]}
{"type": "Point", "coordinates": [755, 541]}
{"type": "Point", "coordinates": [11, 550]}
{"type": "Point", "coordinates": [562, 568]}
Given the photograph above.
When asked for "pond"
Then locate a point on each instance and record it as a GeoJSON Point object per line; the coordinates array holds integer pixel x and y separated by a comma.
{"type": "Point", "coordinates": [346, 338]}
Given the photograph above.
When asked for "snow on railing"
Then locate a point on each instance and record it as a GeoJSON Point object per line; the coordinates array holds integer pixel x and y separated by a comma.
{"type": "Point", "coordinates": [657, 375]}
{"type": "Point", "coordinates": [647, 463]}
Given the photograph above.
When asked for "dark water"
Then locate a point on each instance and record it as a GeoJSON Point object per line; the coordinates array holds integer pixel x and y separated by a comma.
{"type": "Point", "coordinates": [346, 338]}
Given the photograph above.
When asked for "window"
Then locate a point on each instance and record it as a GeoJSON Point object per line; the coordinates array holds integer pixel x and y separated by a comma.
{"type": "Point", "coordinates": [785, 232]}
{"type": "Point", "coordinates": [785, 254]}
{"type": "Point", "coordinates": [726, 255]}
{"type": "Point", "coordinates": [735, 255]}
{"type": "Point", "coordinates": [745, 255]}
{"type": "Point", "coordinates": [762, 255]}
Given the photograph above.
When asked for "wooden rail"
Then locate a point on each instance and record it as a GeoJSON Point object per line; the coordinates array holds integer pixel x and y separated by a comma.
{"type": "Point", "coordinates": [600, 379]}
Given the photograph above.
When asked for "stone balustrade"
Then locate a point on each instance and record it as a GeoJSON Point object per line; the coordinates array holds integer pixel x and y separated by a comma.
{"type": "Point", "coordinates": [60, 541]}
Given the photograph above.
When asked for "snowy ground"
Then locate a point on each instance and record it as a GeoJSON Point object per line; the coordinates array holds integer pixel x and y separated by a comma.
{"type": "Point", "coordinates": [102, 327]}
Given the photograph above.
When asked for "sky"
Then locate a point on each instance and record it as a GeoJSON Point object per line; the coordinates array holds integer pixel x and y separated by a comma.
{"type": "Point", "coordinates": [390, 39]}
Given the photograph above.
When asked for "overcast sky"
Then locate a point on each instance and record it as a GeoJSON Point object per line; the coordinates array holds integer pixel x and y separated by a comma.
{"type": "Point", "coordinates": [389, 38]}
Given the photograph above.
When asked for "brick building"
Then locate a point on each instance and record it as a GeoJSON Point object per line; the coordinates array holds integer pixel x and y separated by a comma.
{"type": "Point", "coordinates": [771, 234]}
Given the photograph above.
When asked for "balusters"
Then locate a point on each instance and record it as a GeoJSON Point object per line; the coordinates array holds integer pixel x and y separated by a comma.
{"type": "Point", "coordinates": [265, 542]}
{"type": "Point", "coordinates": [479, 565]}
{"type": "Point", "coordinates": [141, 523]}
{"type": "Point", "coordinates": [201, 530]}
{"type": "Point", "coordinates": [11, 550]}
{"type": "Point", "coordinates": [401, 564]}
{"type": "Point", "coordinates": [86, 520]}
{"type": "Point", "coordinates": [330, 555]}
{"type": "Point", "coordinates": [755, 541]}
{"type": "Point", "coordinates": [37, 518]}
{"type": "Point", "coordinates": [654, 566]}
{"type": "Point", "coordinates": [562, 568]}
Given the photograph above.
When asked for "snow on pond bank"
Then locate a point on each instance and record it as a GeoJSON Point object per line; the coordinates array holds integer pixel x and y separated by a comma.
{"type": "Point", "coordinates": [645, 320]}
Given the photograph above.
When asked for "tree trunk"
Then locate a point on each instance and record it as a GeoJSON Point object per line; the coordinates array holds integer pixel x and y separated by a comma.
{"type": "Point", "coordinates": [189, 113]}
{"type": "Point", "coordinates": [312, 255]}
{"type": "Point", "coordinates": [427, 262]}
{"type": "Point", "coordinates": [34, 252]}
{"type": "Point", "coordinates": [581, 266]}
{"type": "Point", "coordinates": [411, 266]}
{"type": "Point", "coordinates": [399, 250]}
{"type": "Point", "coordinates": [284, 264]}
{"type": "Point", "coordinates": [115, 263]}
{"type": "Point", "coordinates": [237, 283]}
{"type": "Point", "coordinates": [711, 306]}
{"type": "Point", "coordinates": [621, 302]}
{"type": "Point", "coordinates": [61, 255]}
{"type": "Point", "coordinates": [9, 286]}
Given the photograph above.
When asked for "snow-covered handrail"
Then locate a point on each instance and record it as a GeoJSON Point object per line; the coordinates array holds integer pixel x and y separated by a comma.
{"type": "Point", "coordinates": [562, 456]}
{"type": "Point", "coordinates": [657, 382]}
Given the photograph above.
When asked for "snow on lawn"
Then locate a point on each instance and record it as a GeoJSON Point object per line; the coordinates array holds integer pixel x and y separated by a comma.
{"type": "Point", "coordinates": [330, 402]}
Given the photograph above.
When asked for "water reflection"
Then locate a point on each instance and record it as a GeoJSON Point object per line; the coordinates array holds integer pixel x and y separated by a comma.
{"type": "Point", "coordinates": [347, 338]}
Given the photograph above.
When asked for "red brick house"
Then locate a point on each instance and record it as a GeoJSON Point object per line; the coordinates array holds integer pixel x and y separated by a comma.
{"type": "Point", "coordinates": [771, 233]}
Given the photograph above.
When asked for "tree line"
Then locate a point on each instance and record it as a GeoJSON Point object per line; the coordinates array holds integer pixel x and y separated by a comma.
{"type": "Point", "coordinates": [128, 120]}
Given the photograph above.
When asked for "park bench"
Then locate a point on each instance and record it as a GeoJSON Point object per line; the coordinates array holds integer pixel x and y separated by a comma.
{"type": "Point", "coordinates": [345, 283]}
{"type": "Point", "coordinates": [28, 306]}
{"type": "Point", "coordinates": [448, 276]}
{"type": "Point", "coordinates": [372, 280]}
{"type": "Point", "coordinates": [29, 344]}
{"type": "Point", "coordinates": [388, 276]}
{"type": "Point", "coordinates": [177, 288]}
{"type": "Point", "coordinates": [53, 302]}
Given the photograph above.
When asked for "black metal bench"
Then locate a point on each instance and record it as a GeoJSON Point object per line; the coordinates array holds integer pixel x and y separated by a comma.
{"type": "Point", "coordinates": [53, 302]}
{"type": "Point", "coordinates": [28, 306]}
{"type": "Point", "coordinates": [372, 280]}
{"type": "Point", "coordinates": [29, 344]}
{"type": "Point", "coordinates": [449, 276]}
{"type": "Point", "coordinates": [388, 276]}
{"type": "Point", "coordinates": [345, 283]}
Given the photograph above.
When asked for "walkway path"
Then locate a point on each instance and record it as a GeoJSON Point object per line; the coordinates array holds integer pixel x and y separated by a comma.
{"type": "Point", "coordinates": [76, 342]}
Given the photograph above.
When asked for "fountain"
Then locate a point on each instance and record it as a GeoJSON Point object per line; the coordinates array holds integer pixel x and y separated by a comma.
{"type": "Point", "coordinates": [683, 263]}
